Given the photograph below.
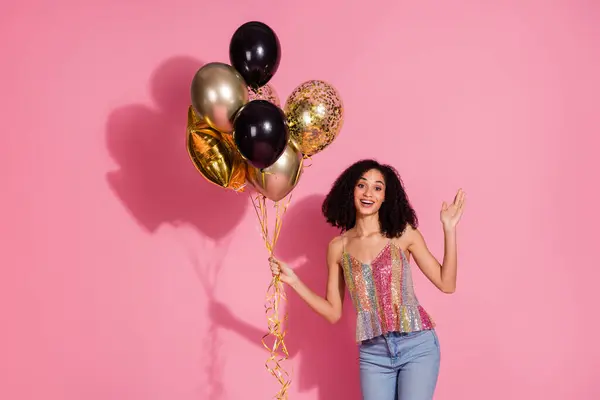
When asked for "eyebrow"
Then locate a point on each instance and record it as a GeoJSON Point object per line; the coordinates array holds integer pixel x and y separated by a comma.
{"type": "Point", "coordinates": [364, 179]}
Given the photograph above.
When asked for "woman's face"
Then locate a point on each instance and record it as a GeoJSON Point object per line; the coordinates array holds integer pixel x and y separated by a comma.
{"type": "Point", "coordinates": [369, 192]}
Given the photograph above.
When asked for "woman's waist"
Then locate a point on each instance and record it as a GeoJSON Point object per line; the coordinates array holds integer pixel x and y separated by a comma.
{"type": "Point", "coordinates": [404, 318]}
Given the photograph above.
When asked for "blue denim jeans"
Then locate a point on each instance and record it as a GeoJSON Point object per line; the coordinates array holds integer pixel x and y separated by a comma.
{"type": "Point", "coordinates": [400, 366]}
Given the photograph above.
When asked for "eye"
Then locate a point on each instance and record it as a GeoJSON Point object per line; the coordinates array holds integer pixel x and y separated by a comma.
{"type": "Point", "coordinates": [378, 188]}
{"type": "Point", "coordinates": [360, 185]}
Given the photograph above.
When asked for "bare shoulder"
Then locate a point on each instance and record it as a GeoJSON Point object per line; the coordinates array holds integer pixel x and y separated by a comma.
{"type": "Point", "coordinates": [411, 236]}
{"type": "Point", "coordinates": [410, 232]}
{"type": "Point", "coordinates": [335, 249]}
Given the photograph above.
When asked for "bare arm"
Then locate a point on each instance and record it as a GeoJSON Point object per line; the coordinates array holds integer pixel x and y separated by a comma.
{"type": "Point", "coordinates": [330, 306]}
{"type": "Point", "coordinates": [443, 276]}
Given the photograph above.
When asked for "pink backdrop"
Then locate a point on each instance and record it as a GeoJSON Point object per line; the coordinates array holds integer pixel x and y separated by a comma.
{"type": "Point", "coordinates": [126, 276]}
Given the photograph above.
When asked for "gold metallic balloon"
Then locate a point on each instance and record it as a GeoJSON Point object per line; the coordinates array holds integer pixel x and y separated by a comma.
{"type": "Point", "coordinates": [278, 180]}
{"type": "Point", "coordinates": [238, 174]}
{"type": "Point", "coordinates": [213, 156]}
{"type": "Point", "coordinates": [315, 115]}
{"type": "Point", "coordinates": [218, 92]}
{"type": "Point", "coordinates": [266, 92]}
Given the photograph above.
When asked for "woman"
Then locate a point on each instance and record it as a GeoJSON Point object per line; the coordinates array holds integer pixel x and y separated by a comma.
{"type": "Point", "coordinates": [398, 347]}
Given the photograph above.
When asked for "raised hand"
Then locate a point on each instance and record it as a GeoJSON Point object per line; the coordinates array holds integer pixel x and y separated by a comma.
{"type": "Point", "coordinates": [286, 274]}
{"type": "Point", "coordinates": [450, 214]}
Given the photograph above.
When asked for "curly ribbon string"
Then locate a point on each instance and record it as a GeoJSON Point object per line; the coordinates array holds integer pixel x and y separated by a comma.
{"type": "Point", "coordinates": [275, 295]}
{"type": "Point", "coordinates": [309, 158]}
{"type": "Point", "coordinates": [239, 189]}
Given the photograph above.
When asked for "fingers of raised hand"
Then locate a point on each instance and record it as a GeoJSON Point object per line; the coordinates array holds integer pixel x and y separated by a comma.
{"type": "Point", "coordinates": [461, 198]}
{"type": "Point", "coordinates": [458, 205]}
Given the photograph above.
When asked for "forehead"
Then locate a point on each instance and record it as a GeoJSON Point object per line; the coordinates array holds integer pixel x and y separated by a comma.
{"type": "Point", "coordinates": [372, 176]}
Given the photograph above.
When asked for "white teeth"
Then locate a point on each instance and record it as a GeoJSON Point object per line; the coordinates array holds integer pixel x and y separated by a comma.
{"type": "Point", "coordinates": [366, 202]}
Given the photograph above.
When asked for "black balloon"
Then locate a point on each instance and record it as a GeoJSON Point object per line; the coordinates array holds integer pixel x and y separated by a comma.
{"type": "Point", "coordinates": [255, 52]}
{"type": "Point", "coordinates": [260, 133]}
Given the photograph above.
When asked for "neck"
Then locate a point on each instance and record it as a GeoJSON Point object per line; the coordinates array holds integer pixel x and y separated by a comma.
{"type": "Point", "coordinates": [367, 225]}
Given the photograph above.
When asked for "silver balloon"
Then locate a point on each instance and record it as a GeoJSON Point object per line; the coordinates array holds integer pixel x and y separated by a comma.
{"type": "Point", "coordinates": [218, 92]}
{"type": "Point", "coordinates": [278, 180]}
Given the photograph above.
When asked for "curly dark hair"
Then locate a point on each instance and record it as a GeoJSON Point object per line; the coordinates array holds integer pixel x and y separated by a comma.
{"type": "Point", "coordinates": [395, 212]}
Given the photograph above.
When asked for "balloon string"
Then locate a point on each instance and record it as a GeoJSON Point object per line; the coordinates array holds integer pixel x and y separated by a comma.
{"type": "Point", "coordinates": [307, 158]}
{"type": "Point", "coordinates": [274, 297]}
{"type": "Point", "coordinates": [239, 189]}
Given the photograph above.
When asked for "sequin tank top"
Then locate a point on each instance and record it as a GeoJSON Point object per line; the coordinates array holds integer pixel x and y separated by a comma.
{"type": "Point", "coordinates": [383, 295]}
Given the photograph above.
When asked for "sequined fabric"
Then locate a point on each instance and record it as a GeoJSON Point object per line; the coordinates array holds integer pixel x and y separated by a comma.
{"type": "Point", "coordinates": [383, 295]}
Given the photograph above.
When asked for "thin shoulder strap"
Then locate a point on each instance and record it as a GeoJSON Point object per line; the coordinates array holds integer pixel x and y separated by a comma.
{"type": "Point", "coordinates": [343, 257]}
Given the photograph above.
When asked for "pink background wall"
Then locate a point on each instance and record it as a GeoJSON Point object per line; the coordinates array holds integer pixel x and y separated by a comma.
{"type": "Point", "coordinates": [126, 276]}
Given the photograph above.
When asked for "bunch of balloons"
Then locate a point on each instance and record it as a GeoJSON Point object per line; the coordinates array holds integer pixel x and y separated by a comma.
{"type": "Point", "coordinates": [237, 132]}
{"type": "Point", "coordinates": [238, 135]}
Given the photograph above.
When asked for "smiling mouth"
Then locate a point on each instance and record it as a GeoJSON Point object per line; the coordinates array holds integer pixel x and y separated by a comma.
{"type": "Point", "coordinates": [367, 203]}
